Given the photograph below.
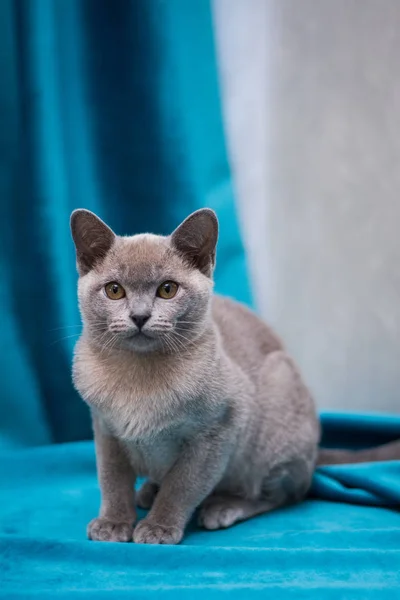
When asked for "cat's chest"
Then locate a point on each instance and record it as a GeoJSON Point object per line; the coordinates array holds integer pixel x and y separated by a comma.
{"type": "Point", "coordinates": [151, 453]}
{"type": "Point", "coordinates": [136, 403]}
{"type": "Point", "coordinates": [154, 457]}
{"type": "Point", "coordinates": [136, 410]}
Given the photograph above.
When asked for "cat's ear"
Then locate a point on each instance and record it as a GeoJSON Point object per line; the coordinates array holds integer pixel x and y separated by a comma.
{"type": "Point", "coordinates": [92, 239]}
{"type": "Point", "coordinates": [196, 239]}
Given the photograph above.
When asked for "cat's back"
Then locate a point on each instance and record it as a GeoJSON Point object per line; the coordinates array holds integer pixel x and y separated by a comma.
{"type": "Point", "coordinates": [245, 337]}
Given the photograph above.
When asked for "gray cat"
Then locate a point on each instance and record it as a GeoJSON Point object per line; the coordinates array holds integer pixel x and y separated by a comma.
{"type": "Point", "coordinates": [187, 388]}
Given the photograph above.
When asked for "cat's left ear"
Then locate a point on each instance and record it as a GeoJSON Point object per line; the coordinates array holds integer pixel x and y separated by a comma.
{"type": "Point", "coordinates": [196, 239]}
{"type": "Point", "coordinates": [92, 239]}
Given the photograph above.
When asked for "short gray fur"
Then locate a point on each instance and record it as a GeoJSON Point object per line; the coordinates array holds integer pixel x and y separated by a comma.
{"type": "Point", "coordinates": [204, 402]}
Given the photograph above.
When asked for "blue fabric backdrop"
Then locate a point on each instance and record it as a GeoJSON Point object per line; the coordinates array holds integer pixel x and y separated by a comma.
{"type": "Point", "coordinates": [114, 106]}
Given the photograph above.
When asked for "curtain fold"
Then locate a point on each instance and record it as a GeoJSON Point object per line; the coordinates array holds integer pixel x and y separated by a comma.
{"type": "Point", "coordinates": [111, 106]}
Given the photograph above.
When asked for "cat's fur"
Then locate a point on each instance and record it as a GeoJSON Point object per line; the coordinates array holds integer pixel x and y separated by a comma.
{"type": "Point", "coordinates": [204, 402]}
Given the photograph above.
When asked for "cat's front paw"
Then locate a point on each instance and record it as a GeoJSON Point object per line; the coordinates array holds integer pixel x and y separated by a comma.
{"type": "Point", "coordinates": [149, 533]}
{"type": "Point", "coordinates": [102, 529]}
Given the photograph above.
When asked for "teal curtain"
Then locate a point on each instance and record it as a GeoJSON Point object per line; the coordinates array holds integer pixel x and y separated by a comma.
{"type": "Point", "coordinates": [113, 106]}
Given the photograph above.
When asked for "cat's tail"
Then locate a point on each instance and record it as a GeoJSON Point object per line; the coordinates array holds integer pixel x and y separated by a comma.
{"type": "Point", "coordinates": [390, 451]}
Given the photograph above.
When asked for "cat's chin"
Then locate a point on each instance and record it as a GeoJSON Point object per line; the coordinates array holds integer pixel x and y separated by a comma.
{"type": "Point", "coordinates": [142, 343]}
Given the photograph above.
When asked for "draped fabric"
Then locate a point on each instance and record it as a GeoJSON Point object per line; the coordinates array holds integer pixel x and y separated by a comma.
{"type": "Point", "coordinates": [111, 106]}
{"type": "Point", "coordinates": [339, 544]}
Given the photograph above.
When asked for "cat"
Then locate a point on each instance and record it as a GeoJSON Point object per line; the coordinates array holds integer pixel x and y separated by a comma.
{"type": "Point", "coordinates": [186, 388]}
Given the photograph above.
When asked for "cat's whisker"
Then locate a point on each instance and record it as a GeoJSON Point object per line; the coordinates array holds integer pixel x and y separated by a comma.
{"type": "Point", "coordinates": [182, 343]}
{"type": "Point", "coordinates": [172, 344]}
{"type": "Point", "coordinates": [175, 345]}
{"type": "Point", "coordinates": [93, 323]}
{"type": "Point", "coordinates": [183, 337]}
{"type": "Point", "coordinates": [65, 327]}
{"type": "Point", "coordinates": [197, 327]}
{"type": "Point", "coordinates": [105, 347]}
{"type": "Point", "coordinates": [108, 343]}
{"type": "Point", "coordinates": [178, 345]}
{"type": "Point", "coordinates": [74, 335]}
{"type": "Point", "coordinates": [167, 344]}
{"type": "Point", "coordinates": [112, 342]}
{"type": "Point", "coordinates": [179, 330]}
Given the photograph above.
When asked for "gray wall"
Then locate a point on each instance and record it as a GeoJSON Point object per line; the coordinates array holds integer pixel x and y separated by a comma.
{"type": "Point", "coordinates": [321, 210]}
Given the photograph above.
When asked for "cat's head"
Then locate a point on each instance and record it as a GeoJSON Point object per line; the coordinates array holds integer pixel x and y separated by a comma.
{"type": "Point", "coordinates": [146, 292]}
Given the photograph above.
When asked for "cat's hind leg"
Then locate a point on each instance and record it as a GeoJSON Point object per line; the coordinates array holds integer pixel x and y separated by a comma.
{"type": "Point", "coordinates": [219, 512]}
{"type": "Point", "coordinates": [285, 484]}
{"type": "Point", "coordinates": [283, 447]}
{"type": "Point", "coordinates": [147, 494]}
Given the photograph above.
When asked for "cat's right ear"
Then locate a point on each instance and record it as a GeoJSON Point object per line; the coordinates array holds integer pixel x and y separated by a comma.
{"type": "Point", "coordinates": [92, 239]}
{"type": "Point", "coordinates": [196, 239]}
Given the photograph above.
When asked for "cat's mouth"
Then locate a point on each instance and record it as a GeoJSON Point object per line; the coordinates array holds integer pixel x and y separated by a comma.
{"type": "Point", "coordinates": [139, 339]}
{"type": "Point", "coordinates": [141, 335]}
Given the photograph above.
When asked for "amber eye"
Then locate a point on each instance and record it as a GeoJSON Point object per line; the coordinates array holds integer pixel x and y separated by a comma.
{"type": "Point", "coordinates": [167, 290]}
{"type": "Point", "coordinates": [114, 291]}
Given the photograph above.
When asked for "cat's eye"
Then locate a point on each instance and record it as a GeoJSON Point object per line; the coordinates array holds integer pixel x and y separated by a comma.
{"type": "Point", "coordinates": [114, 291]}
{"type": "Point", "coordinates": [167, 290]}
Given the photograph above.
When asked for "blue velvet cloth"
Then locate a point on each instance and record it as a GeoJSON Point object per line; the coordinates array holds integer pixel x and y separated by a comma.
{"type": "Point", "coordinates": [335, 545]}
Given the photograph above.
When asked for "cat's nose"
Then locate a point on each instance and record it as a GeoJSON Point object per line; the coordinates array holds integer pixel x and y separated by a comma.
{"type": "Point", "coordinates": [140, 320]}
